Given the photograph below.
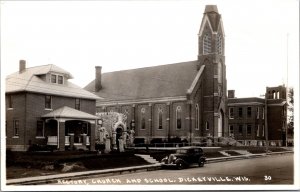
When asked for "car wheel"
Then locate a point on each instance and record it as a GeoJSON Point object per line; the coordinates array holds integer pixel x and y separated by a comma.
{"type": "Point", "coordinates": [180, 165]}
{"type": "Point", "coordinates": [201, 164]}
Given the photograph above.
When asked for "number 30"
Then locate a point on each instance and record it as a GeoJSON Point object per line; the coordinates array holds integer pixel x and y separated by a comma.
{"type": "Point", "coordinates": [268, 178]}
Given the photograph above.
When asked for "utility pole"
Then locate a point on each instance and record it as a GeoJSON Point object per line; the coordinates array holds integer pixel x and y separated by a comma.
{"type": "Point", "coordinates": [287, 87]}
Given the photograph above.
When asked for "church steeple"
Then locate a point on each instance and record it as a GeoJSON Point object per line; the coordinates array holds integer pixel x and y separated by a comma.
{"type": "Point", "coordinates": [211, 54]}
{"type": "Point", "coordinates": [211, 33]}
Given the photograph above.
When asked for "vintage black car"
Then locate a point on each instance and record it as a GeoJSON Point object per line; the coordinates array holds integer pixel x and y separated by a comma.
{"type": "Point", "coordinates": [184, 157]}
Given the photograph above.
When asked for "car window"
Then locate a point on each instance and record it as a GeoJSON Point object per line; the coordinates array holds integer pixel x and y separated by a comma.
{"type": "Point", "coordinates": [182, 151]}
{"type": "Point", "coordinates": [197, 150]}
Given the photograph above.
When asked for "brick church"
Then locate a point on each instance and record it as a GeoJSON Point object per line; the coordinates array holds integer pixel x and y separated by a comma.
{"type": "Point", "coordinates": [182, 100]}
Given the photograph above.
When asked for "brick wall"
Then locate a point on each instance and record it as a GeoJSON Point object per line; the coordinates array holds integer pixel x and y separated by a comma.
{"type": "Point", "coordinates": [17, 112]}
{"type": "Point", "coordinates": [28, 109]}
{"type": "Point", "coordinates": [275, 123]}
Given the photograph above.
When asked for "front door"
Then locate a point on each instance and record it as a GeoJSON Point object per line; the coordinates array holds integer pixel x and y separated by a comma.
{"type": "Point", "coordinates": [118, 135]}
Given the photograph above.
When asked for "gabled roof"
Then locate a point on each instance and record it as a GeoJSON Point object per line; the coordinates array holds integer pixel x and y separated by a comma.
{"type": "Point", "coordinates": [31, 80]}
{"type": "Point", "coordinates": [68, 112]}
{"type": "Point", "coordinates": [172, 80]}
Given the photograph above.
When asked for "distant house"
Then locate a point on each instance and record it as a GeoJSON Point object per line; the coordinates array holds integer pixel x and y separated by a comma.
{"type": "Point", "coordinates": [43, 107]}
{"type": "Point", "coordinates": [185, 101]}
{"type": "Point", "coordinates": [250, 120]}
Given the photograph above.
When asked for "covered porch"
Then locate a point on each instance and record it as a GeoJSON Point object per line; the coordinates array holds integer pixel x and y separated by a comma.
{"type": "Point", "coordinates": [68, 128]}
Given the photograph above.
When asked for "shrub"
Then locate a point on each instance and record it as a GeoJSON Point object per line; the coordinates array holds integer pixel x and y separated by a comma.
{"type": "Point", "coordinates": [156, 140]}
{"type": "Point", "coordinates": [37, 147]}
{"type": "Point", "coordinates": [139, 141]}
{"type": "Point", "coordinates": [100, 147]}
{"type": "Point", "coordinates": [175, 140]}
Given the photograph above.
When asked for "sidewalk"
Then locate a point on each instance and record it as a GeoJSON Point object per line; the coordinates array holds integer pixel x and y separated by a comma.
{"type": "Point", "coordinates": [117, 171]}
{"type": "Point", "coordinates": [81, 175]}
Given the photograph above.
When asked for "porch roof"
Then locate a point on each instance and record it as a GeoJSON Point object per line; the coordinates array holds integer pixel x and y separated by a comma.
{"type": "Point", "coordinates": [68, 112]}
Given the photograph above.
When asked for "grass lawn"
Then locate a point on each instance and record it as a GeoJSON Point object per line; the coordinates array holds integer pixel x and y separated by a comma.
{"type": "Point", "coordinates": [25, 164]}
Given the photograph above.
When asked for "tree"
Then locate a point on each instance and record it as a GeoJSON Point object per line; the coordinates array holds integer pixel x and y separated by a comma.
{"type": "Point", "coordinates": [290, 108]}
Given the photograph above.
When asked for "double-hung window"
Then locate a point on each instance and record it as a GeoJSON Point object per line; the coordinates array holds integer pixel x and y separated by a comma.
{"type": "Point", "coordinates": [249, 129]}
{"type": "Point", "coordinates": [77, 104]}
{"type": "Point", "coordinates": [231, 116]}
{"type": "Point", "coordinates": [240, 112]}
{"type": "Point", "coordinates": [249, 112]}
{"type": "Point", "coordinates": [16, 126]}
{"type": "Point", "coordinates": [48, 102]}
{"type": "Point", "coordinates": [40, 129]}
{"type": "Point", "coordinates": [57, 79]}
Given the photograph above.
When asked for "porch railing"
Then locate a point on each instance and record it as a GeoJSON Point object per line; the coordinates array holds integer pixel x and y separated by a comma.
{"type": "Point", "coordinates": [67, 140]}
{"type": "Point", "coordinates": [52, 140]}
{"type": "Point", "coordinates": [87, 140]}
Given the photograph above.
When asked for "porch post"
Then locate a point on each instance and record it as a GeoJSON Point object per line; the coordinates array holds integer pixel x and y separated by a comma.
{"type": "Point", "coordinates": [61, 136]}
{"type": "Point", "coordinates": [71, 140]}
{"type": "Point", "coordinates": [92, 137]}
{"type": "Point", "coordinates": [83, 139]}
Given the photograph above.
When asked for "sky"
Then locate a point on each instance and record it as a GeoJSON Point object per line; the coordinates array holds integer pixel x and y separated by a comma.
{"type": "Point", "coordinates": [261, 37]}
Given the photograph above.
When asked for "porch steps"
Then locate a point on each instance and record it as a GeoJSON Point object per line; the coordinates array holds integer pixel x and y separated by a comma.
{"type": "Point", "coordinates": [147, 158]}
{"type": "Point", "coordinates": [224, 153]}
{"type": "Point", "coordinates": [243, 152]}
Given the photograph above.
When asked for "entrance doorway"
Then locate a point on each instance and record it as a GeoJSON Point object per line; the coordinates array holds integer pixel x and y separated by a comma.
{"type": "Point", "coordinates": [119, 131]}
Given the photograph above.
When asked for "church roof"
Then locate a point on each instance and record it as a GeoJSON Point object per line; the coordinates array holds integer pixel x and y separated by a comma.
{"type": "Point", "coordinates": [33, 80]}
{"type": "Point", "coordinates": [169, 80]}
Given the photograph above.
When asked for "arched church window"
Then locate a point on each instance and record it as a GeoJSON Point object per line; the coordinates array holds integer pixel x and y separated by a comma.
{"type": "Point", "coordinates": [160, 114]}
{"type": "Point", "coordinates": [197, 117]}
{"type": "Point", "coordinates": [207, 125]}
{"type": "Point", "coordinates": [219, 45]}
{"type": "Point", "coordinates": [178, 117]}
{"type": "Point", "coordinates": [206, 44]}
{"type": "Point", "coordinates": [143, 118]}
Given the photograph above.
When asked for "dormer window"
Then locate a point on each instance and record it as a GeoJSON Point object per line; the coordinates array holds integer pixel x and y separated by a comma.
{"type": "Point", "coordinates": [58, 79]}
{"type": "Point", "coordinates": [53, 78]}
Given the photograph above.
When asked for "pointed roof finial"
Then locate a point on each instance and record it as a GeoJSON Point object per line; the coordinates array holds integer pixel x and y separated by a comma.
{"type": "Point", "coordinates": [211, 8]}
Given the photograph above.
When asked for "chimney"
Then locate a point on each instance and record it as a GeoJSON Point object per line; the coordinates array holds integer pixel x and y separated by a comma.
{"type": "Point", "coordinates": [231, 94]}
{"type": "Point", "coordinates": [22, 66]}
{"type": "Point", "coordinates": [98, 85]}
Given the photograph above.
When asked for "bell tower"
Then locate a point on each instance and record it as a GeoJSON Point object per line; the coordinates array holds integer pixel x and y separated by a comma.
{"type": "Point", "coordinates": [211, 54]}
